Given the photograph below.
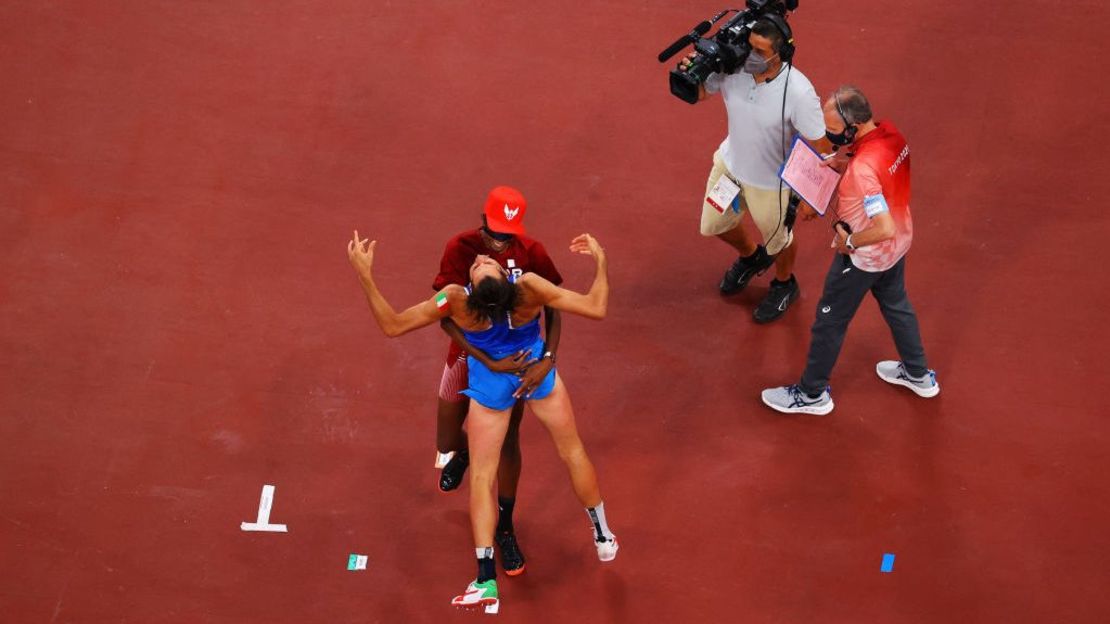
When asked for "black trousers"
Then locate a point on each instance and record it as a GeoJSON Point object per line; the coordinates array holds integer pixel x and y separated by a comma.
{"type": "Point", "coordinates": [845, 288]}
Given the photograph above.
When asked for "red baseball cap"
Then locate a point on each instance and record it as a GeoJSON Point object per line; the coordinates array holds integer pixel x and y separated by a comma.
{"type": "Point", "coordinates": [505, 208]}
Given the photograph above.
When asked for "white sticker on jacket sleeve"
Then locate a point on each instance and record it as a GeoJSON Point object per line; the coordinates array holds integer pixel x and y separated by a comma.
{"type": "Point", "coordinates": [875, 205]}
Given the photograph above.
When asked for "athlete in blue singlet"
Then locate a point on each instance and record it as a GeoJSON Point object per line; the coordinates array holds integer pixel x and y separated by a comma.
{"type": "Point", "coordinates": [497, 390]}
{"type": "Point", "coordinates": [502, 318]}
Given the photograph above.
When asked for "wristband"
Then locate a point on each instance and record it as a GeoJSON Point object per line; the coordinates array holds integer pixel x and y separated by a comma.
{"type": "Point", "coordinates": [549, 354]}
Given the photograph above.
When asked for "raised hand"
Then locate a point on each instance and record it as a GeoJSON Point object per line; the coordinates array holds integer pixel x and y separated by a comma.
{"type": "Point", "coordinates": [360, 252]}
{"type": "Point", "coordinates": [588, 245]}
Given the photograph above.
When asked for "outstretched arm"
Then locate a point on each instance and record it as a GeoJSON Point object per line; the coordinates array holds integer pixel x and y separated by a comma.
{"type": "Point", "coordinates": [594, 303]}
{"type": "Point", "coordinates": [361, 254]}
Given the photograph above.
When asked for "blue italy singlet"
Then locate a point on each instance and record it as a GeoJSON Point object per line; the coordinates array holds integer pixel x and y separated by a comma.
{"type": "Point", "coordinates": [495, 390]}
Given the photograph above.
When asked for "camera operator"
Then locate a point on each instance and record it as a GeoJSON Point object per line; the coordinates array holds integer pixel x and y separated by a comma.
{"type": "Point", "coordinates": [767, 102]}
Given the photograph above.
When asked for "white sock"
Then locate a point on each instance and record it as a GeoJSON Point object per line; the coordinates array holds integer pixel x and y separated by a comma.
{"type": "Point", "coordinates": [484, 553]}
{"type": "Point", "coordinates": [597, 518]}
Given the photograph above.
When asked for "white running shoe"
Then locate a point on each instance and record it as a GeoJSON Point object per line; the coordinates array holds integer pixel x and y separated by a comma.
{"type": "Point", "coordinates": [607, 550]}
{"type": "Point", "coordinates": [892, 372]}
{"type": "Point", "coordinates": [791, 400]}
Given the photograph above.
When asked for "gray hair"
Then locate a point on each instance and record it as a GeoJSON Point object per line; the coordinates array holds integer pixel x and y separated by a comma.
{"type": "Point", "coordinates": [853, 104]}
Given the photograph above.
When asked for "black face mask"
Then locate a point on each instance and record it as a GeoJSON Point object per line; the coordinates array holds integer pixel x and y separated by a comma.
{"type": "Point", "coordinates": [845, 137]}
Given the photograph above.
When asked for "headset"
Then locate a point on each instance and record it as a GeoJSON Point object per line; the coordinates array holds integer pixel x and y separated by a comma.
{"type": "Point", "coordinates": [850, 128]}
{"type": "Point", "coordinates": [786, 49]}
{"type": "Point", "coordinates": [786, 55]}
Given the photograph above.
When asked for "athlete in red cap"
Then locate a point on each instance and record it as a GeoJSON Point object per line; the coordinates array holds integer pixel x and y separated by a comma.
{"type": "Point", "coordinates": [502, 238]}
{"type": "Point", "coordinates": [499, 312]}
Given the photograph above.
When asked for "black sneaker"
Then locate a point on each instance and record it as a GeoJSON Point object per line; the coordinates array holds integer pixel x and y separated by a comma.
{"type": "Point", "coordinates": [778, 299]}
{"type": "Point", "coordinates": [744, 269]}
{"type": "Point", "coordinates": [452, 475]}
{"type": "Point", "coordinates": [511, 557]}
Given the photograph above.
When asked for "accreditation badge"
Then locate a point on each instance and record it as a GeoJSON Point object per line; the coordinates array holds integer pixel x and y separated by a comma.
{"type": "Point", "coordinates": [723, 193]}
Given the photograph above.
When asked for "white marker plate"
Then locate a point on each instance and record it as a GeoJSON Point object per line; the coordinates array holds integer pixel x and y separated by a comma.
{"type": "Point", "coordinates": [265, 503]}
{"type": "Point", "coordinates": [263, 528]}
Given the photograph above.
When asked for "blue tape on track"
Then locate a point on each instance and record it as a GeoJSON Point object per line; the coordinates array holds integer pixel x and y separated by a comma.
{"type": "Point", "coordinates": [888, 563]}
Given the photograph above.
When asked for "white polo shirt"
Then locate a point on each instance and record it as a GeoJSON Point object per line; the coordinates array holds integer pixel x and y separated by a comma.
{"type": "Point", "coordinates": [753, 150]}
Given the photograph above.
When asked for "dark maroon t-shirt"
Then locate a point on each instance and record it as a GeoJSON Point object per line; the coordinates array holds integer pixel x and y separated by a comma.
{"type": "Point", "coordinates": [523, 255]}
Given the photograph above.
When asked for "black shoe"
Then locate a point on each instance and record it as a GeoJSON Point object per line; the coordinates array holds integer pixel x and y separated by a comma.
{"type": "Point", "coordinates": [511, 557]}
{"type": "Point", "coordinates": [452, 475]}
{"type": "Point", "coordinates": [778, 299]}
{"type": "Point", "coordinates": [744, 269]}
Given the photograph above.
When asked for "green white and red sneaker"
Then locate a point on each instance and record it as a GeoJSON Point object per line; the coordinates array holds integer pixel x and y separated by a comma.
{"type": "Point", "coordinates": [477, 595]}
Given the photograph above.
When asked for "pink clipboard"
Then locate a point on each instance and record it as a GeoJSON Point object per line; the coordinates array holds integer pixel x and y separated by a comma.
{"type": "Point", "coordinates": [805, 172]}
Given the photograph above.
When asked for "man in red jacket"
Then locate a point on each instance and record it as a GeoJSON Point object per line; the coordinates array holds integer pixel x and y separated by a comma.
{"type": "Point", "coordinates": [502, 237]}
{"type": "Point", "coordinates": [873, 235]}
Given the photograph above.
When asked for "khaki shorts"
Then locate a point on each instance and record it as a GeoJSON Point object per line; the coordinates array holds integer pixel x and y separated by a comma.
{"type": "Point", "coordinates": [767, 207]}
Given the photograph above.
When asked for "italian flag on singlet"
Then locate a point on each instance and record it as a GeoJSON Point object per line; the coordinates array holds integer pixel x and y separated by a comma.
{"type": "Point", "coordinates": [441, 300]}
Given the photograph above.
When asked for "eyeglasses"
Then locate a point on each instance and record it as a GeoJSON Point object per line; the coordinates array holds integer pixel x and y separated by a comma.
{"type": "Point", "coordinates": [500, 237]}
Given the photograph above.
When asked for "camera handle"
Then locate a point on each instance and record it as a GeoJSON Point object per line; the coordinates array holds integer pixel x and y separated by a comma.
{"type": "Point", "coordinates": [690, 37]}
{"type": "Point", "coordinates": [684, 41]}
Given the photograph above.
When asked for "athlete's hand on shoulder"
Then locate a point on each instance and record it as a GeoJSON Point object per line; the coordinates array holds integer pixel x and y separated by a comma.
{"type": "Point", "coordinates": [360, 252]}
{"type": "Point", "coordinates": [586, 244]}
{"type": "Point", "coordinates": [533, 377]}
{"type": "Point", "coordinates": [512, 364]}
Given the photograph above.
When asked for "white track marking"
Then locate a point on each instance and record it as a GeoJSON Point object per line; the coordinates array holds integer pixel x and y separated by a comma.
{"type": "Point", "coordinates": [263, 522]}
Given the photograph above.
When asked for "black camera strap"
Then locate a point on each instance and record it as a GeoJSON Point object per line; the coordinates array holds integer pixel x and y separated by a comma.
{"type": "Point", "coordinates": [792, 205]}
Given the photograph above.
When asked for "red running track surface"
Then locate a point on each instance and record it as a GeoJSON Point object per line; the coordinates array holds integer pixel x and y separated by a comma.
{"type": "Point", "coordinates": [179, 325]}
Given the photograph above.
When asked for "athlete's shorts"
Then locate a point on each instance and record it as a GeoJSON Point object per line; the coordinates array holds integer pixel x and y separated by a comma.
{"type": "Point", "coordinates": [767, 206]}
{"type": "Point", "coordinates": [495, 390]}
{"type": "Point", "coordinates": [453, 381]}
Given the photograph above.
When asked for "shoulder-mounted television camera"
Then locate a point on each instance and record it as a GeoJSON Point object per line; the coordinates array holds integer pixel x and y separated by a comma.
{"type": "Point", "coordinates": [727, 49]}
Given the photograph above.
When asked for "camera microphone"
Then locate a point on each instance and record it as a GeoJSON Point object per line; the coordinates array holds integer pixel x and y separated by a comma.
{"type": "Point", "coordinates": [685, 40]}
